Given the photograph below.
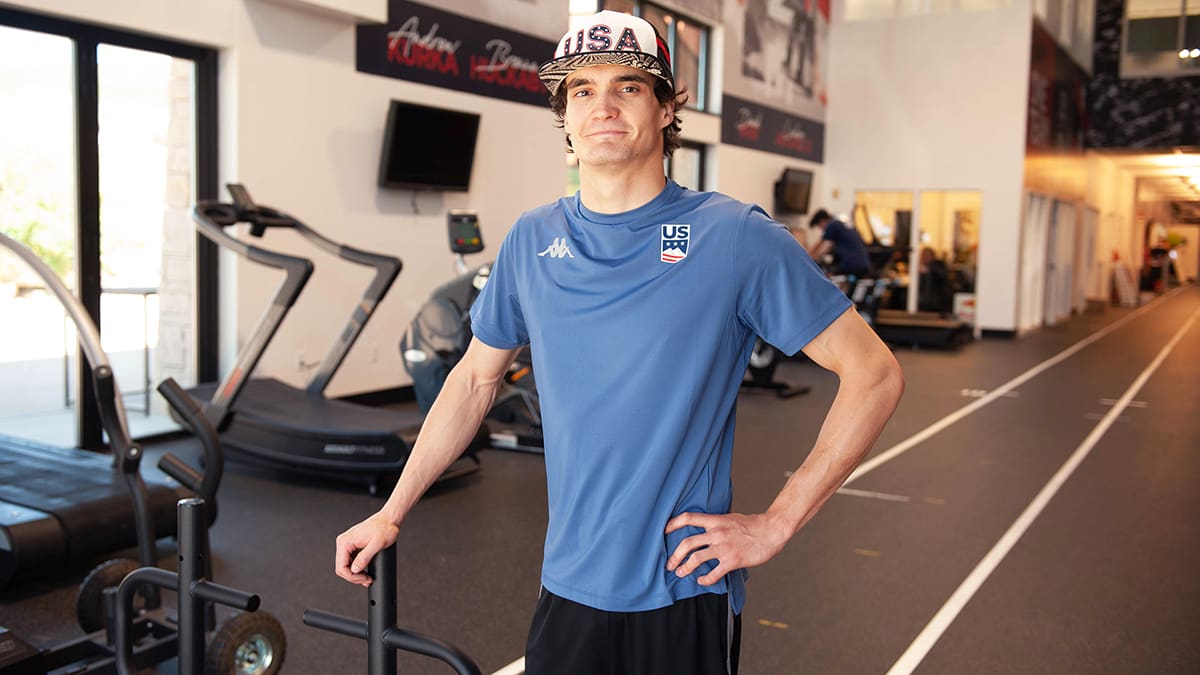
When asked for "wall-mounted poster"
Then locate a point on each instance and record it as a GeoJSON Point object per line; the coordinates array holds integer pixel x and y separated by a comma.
{"type": "Point", "coordinates": [431, 46]}
{"type": "Point", "coordinates": [775, 64]}
{"type": "Point", "coordinates": [776, 53]}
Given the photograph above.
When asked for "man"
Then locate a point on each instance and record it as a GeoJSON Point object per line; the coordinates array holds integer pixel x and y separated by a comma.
{"type": "Point", "coordinates": [641, 301]}
{"type": "Point", "coordinates": [849, 252]}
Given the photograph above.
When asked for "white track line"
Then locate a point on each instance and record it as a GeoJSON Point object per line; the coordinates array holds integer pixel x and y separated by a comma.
{"type": "Point", "coordinates": [907, 444]}
{"type": "Point", "coordinates": [916, 652]}
{"type": "Point", "coordinates": [515, 668]}
{"type": "Point", "coordinates": [873, 495]}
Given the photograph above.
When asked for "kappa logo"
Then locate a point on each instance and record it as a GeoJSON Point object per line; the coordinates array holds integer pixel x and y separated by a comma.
{"type": "Point", "coordinates": [675, 239]}
{"type": "Point", "coordinates": [557, 249]}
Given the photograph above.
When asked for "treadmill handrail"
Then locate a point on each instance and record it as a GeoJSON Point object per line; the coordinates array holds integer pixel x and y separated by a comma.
{"type": "Point", "coordinates": [204, 483]}
{"type": "Point", "coordinates": [260, 218]}
{"type": "Point", "coordinates": [112, 409]}
{"type": "Point", "coordinates": [211, 218]}
{"type": "Point", "coordinates": [387, 268]}
{"type": "Point", "coordinates": [127, 454]}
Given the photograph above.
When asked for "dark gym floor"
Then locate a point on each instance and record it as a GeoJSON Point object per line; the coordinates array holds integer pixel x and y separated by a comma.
{"type": "Point", "coordinates": [1049, 528]}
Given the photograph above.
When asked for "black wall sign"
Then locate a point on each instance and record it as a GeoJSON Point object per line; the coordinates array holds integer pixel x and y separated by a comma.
{"type": "Point", "coordinates": [431, 46]}
{"type": "Point", "coordinates": [756, 126]}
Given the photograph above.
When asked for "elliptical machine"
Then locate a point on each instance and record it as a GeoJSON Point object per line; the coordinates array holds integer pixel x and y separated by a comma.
{"type": "Point", "coordinates": [439, 334]}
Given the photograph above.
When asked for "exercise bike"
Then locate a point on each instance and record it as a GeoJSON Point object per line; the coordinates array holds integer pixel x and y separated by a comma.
{"type": "Point", "coordinates": [438, 337]}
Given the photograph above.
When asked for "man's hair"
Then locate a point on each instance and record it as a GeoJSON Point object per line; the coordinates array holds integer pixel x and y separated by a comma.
{"type": "Point", "coordinates": [820, 216]}
{"type": "Point", "coordinates": [662, 91]}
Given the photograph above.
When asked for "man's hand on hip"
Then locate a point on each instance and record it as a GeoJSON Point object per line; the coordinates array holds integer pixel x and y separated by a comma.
{"type": "Point", "coordinates": [734, 540]}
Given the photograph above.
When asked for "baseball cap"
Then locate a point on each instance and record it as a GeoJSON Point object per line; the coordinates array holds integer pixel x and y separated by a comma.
{"type": "Point", "coordinates": [608, 38]}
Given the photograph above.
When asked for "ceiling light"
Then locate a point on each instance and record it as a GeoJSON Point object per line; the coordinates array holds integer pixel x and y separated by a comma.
{"type": "Point", "coordinates": [1195, 53]}
{"type": "Point", "coordinates": [1183, 53]}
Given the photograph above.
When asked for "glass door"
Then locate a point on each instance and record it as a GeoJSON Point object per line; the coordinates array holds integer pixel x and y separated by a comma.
{"type": "Point", "coordinates": [38, 208]}
{"type": "Point", "coordinates": [106, 140]}
{"type": "Point", "coordinates": [147, 254]}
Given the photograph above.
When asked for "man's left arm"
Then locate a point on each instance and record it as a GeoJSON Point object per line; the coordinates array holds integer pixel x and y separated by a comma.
{"type": "Point", "coordinates": [869, 389]}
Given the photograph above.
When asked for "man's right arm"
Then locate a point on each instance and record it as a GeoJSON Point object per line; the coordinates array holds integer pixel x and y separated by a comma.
{"type": "Point", "coordinates": [452, 422]}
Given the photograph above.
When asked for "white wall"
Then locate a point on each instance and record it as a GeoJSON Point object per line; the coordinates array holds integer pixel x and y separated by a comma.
{"type": "Point", "coordinates": [302, 129]}
{"type": "Point", "coordinates": [329, 131]}
{"type": "Point", "coordinates": [212, 22]}
{"type": "Point", "coordinates": [1110, 191]}
{"type": "Point", "coordinates": [936, 102]}
{"type": "Point", "coordinates": [750, 175]}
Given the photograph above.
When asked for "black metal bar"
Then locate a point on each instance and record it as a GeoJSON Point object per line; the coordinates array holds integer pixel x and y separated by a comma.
{"type": "Point", "coordinates": [195, 595]}
{"type": "Point", "coordinates": [87, 227]}
{"type": "Point", "coordinates": [398, 638]}
{"type": "Point", "coordinates": [123, 640]}
{"type": "Point", "coordinates": [335, 623]}
{"type": "Point", "coordinates": [207, 187]}
{"type": "Point", "coordinates": [203, 484]}
{"type": "Point", "coordinates": [224, 595]}
{"type": "Point", "coordinates": [380, 631]}
{"type": "Point", "coordinates": [381, 614]}
{"type": "Point", "coordinates": [192, 569]}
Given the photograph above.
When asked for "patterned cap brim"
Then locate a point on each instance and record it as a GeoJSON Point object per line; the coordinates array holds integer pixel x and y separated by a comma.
{"type": "Point", "coordinates": [555, 71]}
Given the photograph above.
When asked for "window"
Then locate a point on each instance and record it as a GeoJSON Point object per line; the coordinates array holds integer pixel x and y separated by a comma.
{"type": "Point", "coordinates": [1161, 38]}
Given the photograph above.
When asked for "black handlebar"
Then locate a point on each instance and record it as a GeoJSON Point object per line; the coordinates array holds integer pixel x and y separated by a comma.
{"type": "Point", "coordinates": [380, 631]}
{"type": "Point", "coordinates": [205, 483]}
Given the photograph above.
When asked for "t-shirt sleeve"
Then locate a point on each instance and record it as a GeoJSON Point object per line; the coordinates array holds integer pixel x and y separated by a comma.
{"type": "Point", "coordinates": [782, 295]}
{"type": "Point", "coordinates": [496, 317]}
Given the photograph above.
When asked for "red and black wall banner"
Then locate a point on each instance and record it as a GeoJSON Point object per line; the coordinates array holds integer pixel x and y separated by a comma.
{"type": "Point", "coordinates": [431, 46]}
{"type": "Point", "coordinates": [752, 125]}
{"type": "Point", "coordinates": [1057, 117]}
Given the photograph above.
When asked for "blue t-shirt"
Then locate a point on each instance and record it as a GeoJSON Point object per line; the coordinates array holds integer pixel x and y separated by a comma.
{"type": "Point", "coordinates": [641, 325]}
{"type": "Point", "coordinates": [848, 247]}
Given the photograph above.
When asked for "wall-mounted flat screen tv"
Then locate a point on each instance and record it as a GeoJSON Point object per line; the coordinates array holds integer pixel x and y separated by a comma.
{"type": "Point", "coordinates": [427, 148]}
{"type": "Point", "coordinates": [792, 191]}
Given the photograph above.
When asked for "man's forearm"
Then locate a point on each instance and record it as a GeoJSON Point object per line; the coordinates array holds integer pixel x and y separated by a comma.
{"type": "Point", "coordinates": [449, 428]}
{"type": "Point", "coordinates": [858, 414]}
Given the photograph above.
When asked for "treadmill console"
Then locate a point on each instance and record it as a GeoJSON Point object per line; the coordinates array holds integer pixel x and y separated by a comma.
{"type": "Point", "coordinates": [465, 235]}
{"type": "Point", "coordinates": [241, 198]}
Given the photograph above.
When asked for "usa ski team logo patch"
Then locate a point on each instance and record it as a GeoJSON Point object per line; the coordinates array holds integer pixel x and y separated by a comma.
{"type": "Point", "coordinates": [675, 240]}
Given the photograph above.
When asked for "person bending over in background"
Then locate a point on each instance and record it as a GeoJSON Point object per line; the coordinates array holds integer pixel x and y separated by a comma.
{"type": "Point", "coordinates": [849, 252]}
{"type": "Point", "coordinates": [640, 300]}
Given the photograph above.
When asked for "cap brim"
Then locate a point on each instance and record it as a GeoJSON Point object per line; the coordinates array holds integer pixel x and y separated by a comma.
{"type": "Point", "coordinates": [554, 72]}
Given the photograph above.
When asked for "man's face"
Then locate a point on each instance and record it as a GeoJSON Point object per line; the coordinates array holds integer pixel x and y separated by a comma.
{"type": "Point", "coordinates": [613, 117]}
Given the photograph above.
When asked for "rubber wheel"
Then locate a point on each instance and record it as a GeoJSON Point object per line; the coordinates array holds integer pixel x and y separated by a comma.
{"type": "Point", "coordinates": [89, 602]}
{"type": "Point", "coordinates": [250, 643]}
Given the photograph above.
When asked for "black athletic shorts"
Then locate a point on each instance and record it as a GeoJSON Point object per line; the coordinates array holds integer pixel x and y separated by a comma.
{"type": "Point", "coordinates": [695, 636]}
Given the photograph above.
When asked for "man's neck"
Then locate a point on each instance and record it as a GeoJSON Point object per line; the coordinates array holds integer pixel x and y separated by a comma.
{"type": "Point", "coordinates": [619, 191]}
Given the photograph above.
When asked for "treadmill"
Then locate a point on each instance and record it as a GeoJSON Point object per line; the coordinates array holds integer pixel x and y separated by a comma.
{"type": "Point", "coordinates": [63, 506]}
{"type": "Point", "coordinates": [267, 421]}
{"type": "Point", "coordinates": [923, 329]}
